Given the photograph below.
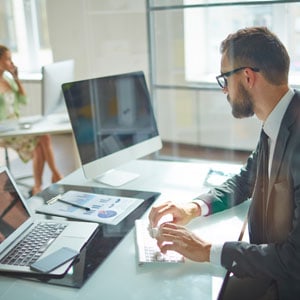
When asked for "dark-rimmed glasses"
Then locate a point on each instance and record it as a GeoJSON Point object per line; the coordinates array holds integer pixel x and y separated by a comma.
{"type": "Point", "coordinates": [222, 79]}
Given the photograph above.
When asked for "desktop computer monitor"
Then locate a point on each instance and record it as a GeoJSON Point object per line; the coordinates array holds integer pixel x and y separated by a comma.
{"type": "Point", "coordinates": [53, 76]}
{"type": "Point", "coordinates": [113, 123]}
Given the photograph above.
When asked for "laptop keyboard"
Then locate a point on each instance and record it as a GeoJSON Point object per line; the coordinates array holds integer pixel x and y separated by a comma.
{"type": "Point", "coordinates": [34, 244]}
{"type": "Point", "coordinates": [148, 251]}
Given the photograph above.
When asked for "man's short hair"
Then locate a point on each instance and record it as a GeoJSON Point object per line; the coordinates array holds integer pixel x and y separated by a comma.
{"type": "Point", "coordinates": [258, 47]}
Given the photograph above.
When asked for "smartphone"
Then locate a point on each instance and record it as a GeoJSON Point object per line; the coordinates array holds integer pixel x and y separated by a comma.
{"type": "Point", "coordinates": [54, 260]}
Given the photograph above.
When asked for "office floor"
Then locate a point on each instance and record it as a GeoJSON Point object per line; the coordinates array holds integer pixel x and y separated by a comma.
{"type": "Point", "coordinates": [184, 151]}
{"type": "Point", "coordinates": [66, 163]}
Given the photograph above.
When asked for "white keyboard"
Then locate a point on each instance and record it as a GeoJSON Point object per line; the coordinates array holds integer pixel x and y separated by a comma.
{"type": "Point", "coordinates": [148, 251]}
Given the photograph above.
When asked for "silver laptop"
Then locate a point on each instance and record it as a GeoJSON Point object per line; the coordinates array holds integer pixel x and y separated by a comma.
{"type": "Point", "coordinates": [18, 230]}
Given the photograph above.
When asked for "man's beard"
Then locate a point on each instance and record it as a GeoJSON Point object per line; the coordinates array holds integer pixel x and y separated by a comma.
{"type": "Point", "coordinates": [243, 108]}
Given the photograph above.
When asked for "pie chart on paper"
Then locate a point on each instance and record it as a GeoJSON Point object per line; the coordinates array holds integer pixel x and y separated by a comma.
{"type": "Point", "coordinates": [106, 214]}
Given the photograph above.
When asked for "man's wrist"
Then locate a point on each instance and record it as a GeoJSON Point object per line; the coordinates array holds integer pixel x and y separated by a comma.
{"type": "Point", "coordinates": [196, 209]}
{"type": "Point", "coordinates": [203, 209]}
{"type": "Point", "coordinates": [215, 253]}
{"type": "Point", "coordinates": [208, 251]}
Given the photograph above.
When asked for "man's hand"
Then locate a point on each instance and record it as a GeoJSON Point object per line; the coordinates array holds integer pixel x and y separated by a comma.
{"type": "Point", "coordinates": [182, 213]}
{"type": "Point", "coordinates": [177, 238]}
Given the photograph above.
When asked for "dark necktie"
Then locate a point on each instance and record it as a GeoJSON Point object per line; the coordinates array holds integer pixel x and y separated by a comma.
{"type": "Point", "coordinates": [264, 164]}
{"type": "Point", "coordinates": [264, 177]}
{"type": "Point", "coordinates": [257, 212]}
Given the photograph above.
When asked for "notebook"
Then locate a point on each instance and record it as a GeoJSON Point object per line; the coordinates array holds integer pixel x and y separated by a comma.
{"type": "Point", "coordinates": [18, 223]}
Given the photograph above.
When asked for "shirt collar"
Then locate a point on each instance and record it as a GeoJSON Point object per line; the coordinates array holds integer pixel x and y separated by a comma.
{"type": "Point", "coordinates": [272, 124]}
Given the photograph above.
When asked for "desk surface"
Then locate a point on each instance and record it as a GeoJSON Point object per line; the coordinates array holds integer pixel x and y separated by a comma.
{"type": "Point", "coordinates": [120, 277]}
{"type": "Point", "coordinates": [52, 124]}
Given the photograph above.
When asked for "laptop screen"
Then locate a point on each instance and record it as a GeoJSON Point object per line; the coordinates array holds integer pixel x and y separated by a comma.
{"type": "Point", "coordinates": [12, 210]}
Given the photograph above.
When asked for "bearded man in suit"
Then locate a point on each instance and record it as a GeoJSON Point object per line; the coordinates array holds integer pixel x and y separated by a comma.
{"type": "Point", "coordinates": [254, 77]}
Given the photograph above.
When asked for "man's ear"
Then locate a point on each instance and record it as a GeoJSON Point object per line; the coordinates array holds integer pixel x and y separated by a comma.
{"type": "Point", "coordinates": [250, 77]}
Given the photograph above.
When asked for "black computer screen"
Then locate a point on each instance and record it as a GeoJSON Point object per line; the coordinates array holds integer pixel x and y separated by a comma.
{"type": "Point", "coordinates": [110, 114]}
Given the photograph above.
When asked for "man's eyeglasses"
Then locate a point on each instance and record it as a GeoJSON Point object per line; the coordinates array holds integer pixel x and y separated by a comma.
{"type": "Point", "coordinates": [222, 79]}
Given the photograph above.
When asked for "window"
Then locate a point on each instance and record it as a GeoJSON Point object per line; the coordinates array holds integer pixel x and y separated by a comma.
{"type": "Point", "coordinates": [24, 31]}
{"type": "Point", "coordinates": [7, 28]}
{"type": "Point", "coordinates": [205, 28]}
{"type": "Point", "coordinates": [184, 40]}
{"type": "Point", "coordinates": [187, 34]}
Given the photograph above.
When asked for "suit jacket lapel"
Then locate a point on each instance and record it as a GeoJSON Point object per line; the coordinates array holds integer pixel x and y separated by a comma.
{"type": "Point", "coordinates": [283, 136]}
{"type": "Point", "coordinates": [278, 153]}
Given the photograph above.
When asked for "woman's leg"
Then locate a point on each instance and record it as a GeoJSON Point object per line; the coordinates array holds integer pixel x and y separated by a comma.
{"type": "Point", "coordinates": [46, 145]}
{"type": "Point", "coordinates": [38, 162]}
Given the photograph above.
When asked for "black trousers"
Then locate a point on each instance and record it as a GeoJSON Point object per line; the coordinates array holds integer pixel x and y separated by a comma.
{"type": "Point", "coordinates": [249, 289]}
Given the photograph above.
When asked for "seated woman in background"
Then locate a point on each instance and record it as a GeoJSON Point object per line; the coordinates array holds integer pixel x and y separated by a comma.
{"type": "Point", "coordinates": [37, 148]}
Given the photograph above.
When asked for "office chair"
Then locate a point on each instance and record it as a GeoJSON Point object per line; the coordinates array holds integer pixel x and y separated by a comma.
{"type": "Point", "coordinates": [19, 180]}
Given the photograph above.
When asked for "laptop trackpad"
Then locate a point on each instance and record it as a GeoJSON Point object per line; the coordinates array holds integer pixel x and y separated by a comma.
{"type": "Point", "coordinates": [79, 230]}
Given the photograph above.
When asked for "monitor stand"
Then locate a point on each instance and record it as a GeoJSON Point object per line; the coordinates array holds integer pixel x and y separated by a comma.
{"type": "Point", "coordinates": [116, 177]}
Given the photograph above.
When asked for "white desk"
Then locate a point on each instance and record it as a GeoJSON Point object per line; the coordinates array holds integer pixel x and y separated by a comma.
{"type": "Point", "coordinates": [120, 277]}
{"type": "Point", "coordinates": [52, 124]}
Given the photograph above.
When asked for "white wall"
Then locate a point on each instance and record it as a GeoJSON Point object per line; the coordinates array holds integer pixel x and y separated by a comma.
{"type": "Point", "coordinates": [110, 37]}
{"type": "Point", "coordinates": [103, 37]}
{"type": "Point", "coordinates": [204, 118]}
{"type": "Point", "coordinates": [34, 92]}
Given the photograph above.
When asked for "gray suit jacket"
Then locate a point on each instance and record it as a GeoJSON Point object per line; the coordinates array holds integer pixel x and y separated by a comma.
{"type": "Point", "coordinates": [274, 249]}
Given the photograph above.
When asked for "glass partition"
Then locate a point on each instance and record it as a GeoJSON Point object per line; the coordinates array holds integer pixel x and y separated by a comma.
{"type": "Point", "coordinates": [184, 39]}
